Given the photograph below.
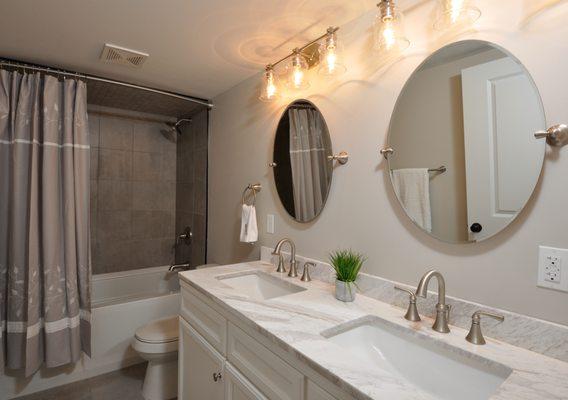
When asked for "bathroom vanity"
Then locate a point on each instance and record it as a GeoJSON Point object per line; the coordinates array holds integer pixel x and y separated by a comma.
{"type": "Point", "coordinates": [247, 332]}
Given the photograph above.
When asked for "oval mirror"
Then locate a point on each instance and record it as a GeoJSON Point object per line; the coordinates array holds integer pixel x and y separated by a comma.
{"type": "Point", "coordinates": [302, 169]}
{"type": "Point", "coordinates": [465, 160]}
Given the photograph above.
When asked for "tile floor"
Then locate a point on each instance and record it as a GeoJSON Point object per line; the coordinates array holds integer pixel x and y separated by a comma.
{"type": "Point", "coordinates": [125, 384]}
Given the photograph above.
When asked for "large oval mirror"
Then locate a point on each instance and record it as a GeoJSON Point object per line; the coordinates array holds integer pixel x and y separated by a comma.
{"type": "Point", "coordinates": [302, 168]}
{"type": "Point", "coordinates": [465, 160]}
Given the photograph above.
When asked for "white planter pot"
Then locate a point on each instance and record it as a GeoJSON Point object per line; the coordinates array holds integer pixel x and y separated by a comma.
{"type": "Point", "coordinates": [344, 291]}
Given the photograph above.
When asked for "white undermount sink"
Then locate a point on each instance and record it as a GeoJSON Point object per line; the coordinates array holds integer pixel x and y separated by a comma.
{"type": "Point", "coordinates": [441, 371]}
{"type": "Point", "coordinates": [259, 285]}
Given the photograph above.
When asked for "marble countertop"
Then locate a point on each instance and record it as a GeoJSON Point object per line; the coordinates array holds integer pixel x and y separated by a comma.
{"type": "Point", "coordinates": [295, 323]}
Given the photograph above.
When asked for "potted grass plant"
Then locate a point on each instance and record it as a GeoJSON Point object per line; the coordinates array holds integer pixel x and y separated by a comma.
{"type": "Point", "coordinates": [347, 265]}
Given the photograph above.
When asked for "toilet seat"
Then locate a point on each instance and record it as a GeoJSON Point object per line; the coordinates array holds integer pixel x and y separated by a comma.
{"type": "Point", "coordinates": [160, 336]}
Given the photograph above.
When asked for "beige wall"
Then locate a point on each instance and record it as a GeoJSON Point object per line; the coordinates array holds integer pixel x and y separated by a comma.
{"type": "Point", "coordinates": [427, 131]}
{"type": "Point", "coordinates": [362, 212]}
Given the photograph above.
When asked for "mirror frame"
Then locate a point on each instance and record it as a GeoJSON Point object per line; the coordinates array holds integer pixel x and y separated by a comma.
{"type": "Point", "coordinates": [283, 114]}
{"type": "Point", "coordinates": [389, 134]}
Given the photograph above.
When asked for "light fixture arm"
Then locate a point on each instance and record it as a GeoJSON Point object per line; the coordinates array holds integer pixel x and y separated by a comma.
{"type": "Point", "coordinates": [331, 30]}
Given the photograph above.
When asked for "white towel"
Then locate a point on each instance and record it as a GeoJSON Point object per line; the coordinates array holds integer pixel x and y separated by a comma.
{"type": "Point", "coordinates": [249, 227]}
{"type": "Point", "coordinates": [412, 186]}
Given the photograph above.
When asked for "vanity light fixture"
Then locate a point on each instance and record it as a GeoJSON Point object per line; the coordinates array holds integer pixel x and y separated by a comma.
{"type": "Point", "coordinates": [388, 30]}
{"type": "Point", "coordinates": [269, 90]}
{"type": "Point", "coordinates": [296, 71]}
{"type": "Point", "coordinates": [325, 53]}
{"type": "Point", "coordinates": [330, 55]}
{"type": "Point", "coordinates": [455, 13]}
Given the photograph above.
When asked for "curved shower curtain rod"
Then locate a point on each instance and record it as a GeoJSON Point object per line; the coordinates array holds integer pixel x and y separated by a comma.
{"type": "Point", "coordinates": [15, 64]}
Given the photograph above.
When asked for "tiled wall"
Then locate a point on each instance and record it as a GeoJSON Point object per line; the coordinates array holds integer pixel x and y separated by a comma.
{"type": "Point", "coordinates": [145, 189]}
{"type": "Point", "coordinates": [133, 172]}
{"type": "Point", "coordinates": [191, 196]}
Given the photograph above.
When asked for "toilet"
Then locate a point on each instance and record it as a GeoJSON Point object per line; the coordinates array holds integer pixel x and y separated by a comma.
{"type": "Point", "coordinates": [157, 342]}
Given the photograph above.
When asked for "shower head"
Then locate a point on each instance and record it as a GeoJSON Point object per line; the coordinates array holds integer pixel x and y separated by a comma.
{"type": "Point", "coordinates": [172, 131]}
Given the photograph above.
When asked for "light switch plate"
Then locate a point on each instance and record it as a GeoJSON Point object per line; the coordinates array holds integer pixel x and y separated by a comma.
{"type": "Point", "coordinates": [270, 223]}
{"type": "Point", "coordinates": [553, 268]}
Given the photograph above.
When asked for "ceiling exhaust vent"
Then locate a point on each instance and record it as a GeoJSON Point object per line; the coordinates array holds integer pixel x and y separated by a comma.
{"type": "Point", "coordinates": [113, 54]}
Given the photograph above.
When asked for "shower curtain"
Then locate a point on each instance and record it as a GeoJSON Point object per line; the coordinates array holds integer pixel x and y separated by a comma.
{"type": "Point", "coordinates": [310, 174]}
{"type": "Point", "coordinates": [44, 221]}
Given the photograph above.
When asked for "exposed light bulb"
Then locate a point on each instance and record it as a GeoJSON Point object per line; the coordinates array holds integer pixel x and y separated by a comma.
{"type": "Point", "coordinates": [298, 76]}
{"type": "Point", "coordinates": [455, 13]}
{"type": "Point", "coordinates": [455, 9]}
{"type": "Point", "coordinates": [331, 59]}
{"type": "Point", "coordinates": [330, 55]}
{"type": "Point", "coordinates": [389, 33]}
{"type": "Point", "coordinates": [297, 69]}
{"type": "Point", "coordinates": [269, 90]}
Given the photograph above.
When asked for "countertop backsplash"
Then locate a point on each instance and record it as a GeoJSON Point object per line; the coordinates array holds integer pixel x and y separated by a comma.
{"type": "Point", "coordinates": [533, 334]}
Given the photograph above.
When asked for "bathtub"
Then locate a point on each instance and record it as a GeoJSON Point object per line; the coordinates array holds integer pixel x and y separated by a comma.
{"type": "Point", "coordinates": [121, 302]}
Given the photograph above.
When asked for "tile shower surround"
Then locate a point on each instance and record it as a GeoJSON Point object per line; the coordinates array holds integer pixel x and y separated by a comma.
{"type": "Point", "coordinates": [133, 193]}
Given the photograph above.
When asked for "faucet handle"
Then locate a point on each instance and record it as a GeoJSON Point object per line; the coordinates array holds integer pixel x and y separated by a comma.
{"type": "Point", "coordinates": [280, 267]}
{"type": "Point", "coordinates": [412, 312]}
{"type": "Point", "coordinates": [475, 336]}
{"type": "Point", "coordinates": [306, 274]}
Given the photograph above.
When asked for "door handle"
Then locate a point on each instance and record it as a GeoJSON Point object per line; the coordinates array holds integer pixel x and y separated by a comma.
{"type": "Point", "coordinates": [476, 227]}
{"type": "Point", "coordinates": [217, 376]}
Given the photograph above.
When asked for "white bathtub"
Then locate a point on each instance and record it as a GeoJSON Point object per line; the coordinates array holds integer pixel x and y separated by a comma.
{"type": "Point", "coordinates": [121, 302]}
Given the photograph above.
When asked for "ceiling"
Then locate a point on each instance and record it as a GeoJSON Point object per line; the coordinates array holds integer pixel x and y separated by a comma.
{"type": "Point", "coordinates": [197, 47]}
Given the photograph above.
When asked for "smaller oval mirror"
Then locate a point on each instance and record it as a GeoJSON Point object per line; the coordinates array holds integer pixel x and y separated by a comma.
{"type": "Point", "coordinates": [465, 159]}
{"type": "Point", "coordinates": [302, 168]}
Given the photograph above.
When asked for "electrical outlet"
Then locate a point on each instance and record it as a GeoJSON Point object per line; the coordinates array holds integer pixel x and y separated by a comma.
{"type": "Point", "coordinates": [552, 271]}
{"type": "Point", "coordinates": [270, 223]}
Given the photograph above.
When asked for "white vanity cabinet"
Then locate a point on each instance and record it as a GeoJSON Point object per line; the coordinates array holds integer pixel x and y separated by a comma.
{"type": "Point", "coordinates": [220, 361]}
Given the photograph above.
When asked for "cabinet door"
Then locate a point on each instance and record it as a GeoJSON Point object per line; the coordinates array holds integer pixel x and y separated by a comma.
{"type": "Point", "coordinates": [237, 387]}
{"type": "Point", "coordinates": [314, 392]}
{"type": "Point", "coordinates": [200, 367]}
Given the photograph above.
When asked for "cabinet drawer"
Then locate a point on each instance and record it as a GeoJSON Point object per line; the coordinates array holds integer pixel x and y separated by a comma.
{"type": "Point", "coordinates": [237, 387]}
{"type": "Point", "coordinates": [268, 372]}
{"type": "Point", "coordinates": [204, 319]}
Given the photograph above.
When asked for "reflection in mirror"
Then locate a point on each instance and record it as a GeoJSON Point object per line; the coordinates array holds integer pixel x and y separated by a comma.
{"type": "Point", "coordinates": [302, 170]}
{"type": "Point", "coordinates": [465, 158]}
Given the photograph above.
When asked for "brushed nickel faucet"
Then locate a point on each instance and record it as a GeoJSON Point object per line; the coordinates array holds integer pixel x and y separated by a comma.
{"type": "Point", "coordinates": [293, 272]}
{"type": "Point", "coordinates": [442, 309]}
{"type": "Point", "coordinates": [475, 336]}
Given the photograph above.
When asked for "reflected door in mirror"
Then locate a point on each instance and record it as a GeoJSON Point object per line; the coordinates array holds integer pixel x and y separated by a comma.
{"type": "Point", "coordinates": [472, 108]}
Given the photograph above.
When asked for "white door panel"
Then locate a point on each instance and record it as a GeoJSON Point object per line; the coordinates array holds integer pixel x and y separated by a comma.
{"type": "Point", "coordinates": [502, 110]}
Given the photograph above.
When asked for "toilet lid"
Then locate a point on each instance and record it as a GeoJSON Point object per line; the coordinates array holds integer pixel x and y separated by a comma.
{"type": "Point", "coordinates": [159, 331]}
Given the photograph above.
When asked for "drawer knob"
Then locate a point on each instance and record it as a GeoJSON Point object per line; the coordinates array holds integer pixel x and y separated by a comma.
{"type": "Point", "coordinates": [217, 376]}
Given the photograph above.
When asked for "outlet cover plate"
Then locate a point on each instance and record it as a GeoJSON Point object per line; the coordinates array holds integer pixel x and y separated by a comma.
{"type": "Point", "coordinates": [553, 268]}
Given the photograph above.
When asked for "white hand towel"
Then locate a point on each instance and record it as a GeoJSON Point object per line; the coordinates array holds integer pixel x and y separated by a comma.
{"type": "Point", "coordinates": [412, 186]}
{"type": "Point", "coordinates": [249, 227]}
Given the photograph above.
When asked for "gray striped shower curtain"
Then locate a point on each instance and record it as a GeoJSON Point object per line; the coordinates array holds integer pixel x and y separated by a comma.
{"type": "Point", "coordinates": [45, 266]}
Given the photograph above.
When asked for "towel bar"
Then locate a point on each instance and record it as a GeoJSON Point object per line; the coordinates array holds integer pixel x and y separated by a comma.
{"type": "Point", "coordinates": [254, 188]}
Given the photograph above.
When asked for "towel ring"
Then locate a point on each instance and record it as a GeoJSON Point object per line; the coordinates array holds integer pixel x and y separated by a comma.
{"type": "Point", "coordinates": [254, 188]}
